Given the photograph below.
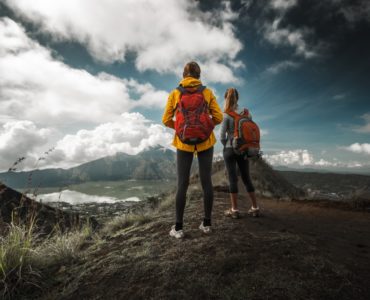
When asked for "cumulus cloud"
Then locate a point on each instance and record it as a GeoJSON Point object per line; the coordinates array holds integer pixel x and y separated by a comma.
{"type": "Point", "coordinates": [37, 87]}
{"type": "Point", "coordinates": [299, 157]}
{"type": "Point", "coordinates": [158, 32]}
{"type": "Point", "coordinates": [359, 148]}
{"type": "Point", "coordinates": [130, 134]}
{"type": "Point", "coordinates": [21, 139]}
{"type": "Point", "coordinates": [303, 158]}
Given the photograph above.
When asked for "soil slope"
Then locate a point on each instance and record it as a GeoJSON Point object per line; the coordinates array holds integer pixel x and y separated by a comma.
{"type": "Point", "coordinates": [293, 251]}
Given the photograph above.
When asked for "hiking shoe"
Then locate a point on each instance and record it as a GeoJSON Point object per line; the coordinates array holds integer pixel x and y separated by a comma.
{"type": "Point", "coordinates": [179, 234]}
{"type": "Point", "coordinates": [234, 214]}
{"type": "Point", "coordinates": [254, 211]}
{"type": "Point", "coordinates": [205, 229]}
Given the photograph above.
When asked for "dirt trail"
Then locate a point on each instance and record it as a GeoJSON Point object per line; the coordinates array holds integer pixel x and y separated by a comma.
{"type": "Point", "coordinates": [293, 251]}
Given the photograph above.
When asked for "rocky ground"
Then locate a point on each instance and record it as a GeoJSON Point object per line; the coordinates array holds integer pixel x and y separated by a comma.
{"type": "Point", "coordinates": [293, 251]}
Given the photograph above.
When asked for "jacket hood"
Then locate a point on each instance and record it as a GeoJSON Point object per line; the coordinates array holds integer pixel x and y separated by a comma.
{"type": "Point", "coordinates": [190, 82]}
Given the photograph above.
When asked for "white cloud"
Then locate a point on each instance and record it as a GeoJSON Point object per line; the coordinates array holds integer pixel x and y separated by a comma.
{"type": "Point", "coordinates": [35, 86]}
{"type": "Point", "coordinates": [324, 163]}
{"type": "Point", "coordinates": [282, 66]}
{"type": "Point", "coordinates": [295, 38]}
{"type": "Point", "coordinates": [366, 127]}
{"type": "Point", "coordinates": [285, 35]}
{"type": "Point", "coordinates": [21, 139]}
{"type": "Point", "coordinates": [130, 134]}
{"type": "Point", "coordinates": [359, 148]}
{"type": "Point", "coordinates": [283, 4]}
{"type": "Point", "coordinates": [164, 34]}
{"type": "Point", "coordinates": [299, 157]}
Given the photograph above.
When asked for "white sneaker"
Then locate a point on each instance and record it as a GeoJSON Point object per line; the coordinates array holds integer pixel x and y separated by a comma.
{"type": "Point", "coordinates": [205, 229]}
{"type": "Point", "coordinates": [179, 234]}
{"type": "Point", "coordinates": [254, 211]}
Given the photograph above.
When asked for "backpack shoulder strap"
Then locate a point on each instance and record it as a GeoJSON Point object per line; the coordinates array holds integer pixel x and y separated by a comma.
{"type": "Point", "coordinates": [201, 88]}
{"type": "Point", "coordinates": [236, 118]}
{"type": "Point", "coordinates": [181, 89]}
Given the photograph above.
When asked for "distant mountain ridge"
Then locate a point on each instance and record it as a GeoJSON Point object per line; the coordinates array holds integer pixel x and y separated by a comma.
{"type": "Point", "coordinates": [354, 170]}
{"type": "Point", "coordinates": [346, 185]}
{"type": "Point", "coordinates": [154, 163]}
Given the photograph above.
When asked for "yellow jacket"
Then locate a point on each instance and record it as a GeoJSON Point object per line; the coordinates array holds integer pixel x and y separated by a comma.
{"type": "Point", "coordinates": [170, 109]}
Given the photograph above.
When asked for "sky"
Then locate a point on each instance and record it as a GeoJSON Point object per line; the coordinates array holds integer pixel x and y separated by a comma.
{"type": "Point", "coordinates": [87, 79]}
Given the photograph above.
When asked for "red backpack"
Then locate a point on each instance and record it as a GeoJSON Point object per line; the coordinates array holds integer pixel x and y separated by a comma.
{"type": "Point", "coordinates": [193, 123]}
{"type": "Point", "coordinates": [246, 134]}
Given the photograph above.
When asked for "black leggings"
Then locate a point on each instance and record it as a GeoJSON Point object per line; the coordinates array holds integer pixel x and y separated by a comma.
{"type": "Point", "coordinates": [231, 160]}
{"type": "Point", "coordinates": [184, 161]}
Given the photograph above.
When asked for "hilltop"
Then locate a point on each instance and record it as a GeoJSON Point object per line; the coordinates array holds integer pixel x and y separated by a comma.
{"type": "Point", "coordinates": [295, 250]}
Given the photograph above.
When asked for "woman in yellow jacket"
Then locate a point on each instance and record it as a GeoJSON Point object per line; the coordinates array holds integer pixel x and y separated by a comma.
{"type": "Point", "coordinates": [185, 152]}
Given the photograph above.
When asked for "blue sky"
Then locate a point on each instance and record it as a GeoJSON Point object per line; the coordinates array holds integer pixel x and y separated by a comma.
{"type": "Point", "coordinates": [89, 79]}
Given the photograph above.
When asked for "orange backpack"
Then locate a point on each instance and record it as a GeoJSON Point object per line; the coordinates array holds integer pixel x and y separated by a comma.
{"type": "Point", "coordinates": [246, 139]}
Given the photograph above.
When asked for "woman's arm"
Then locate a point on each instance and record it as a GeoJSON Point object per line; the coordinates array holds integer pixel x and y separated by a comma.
{"type": "Point", "coordinates": [168, 114]}
{"type": "Point", "coordinates": [215, 110]}
{"type": "Point", "coordinates": [224, 128]}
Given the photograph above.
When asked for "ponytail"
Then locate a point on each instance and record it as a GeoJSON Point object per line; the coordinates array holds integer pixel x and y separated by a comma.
{"type": "Point", "coordinates": [231, 99]}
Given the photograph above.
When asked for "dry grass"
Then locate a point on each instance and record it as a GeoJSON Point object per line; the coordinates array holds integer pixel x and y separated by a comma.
{"type": "Point", "coordinates": [24, 256]}
{"type": "Point", "coordinates": [16, 260]}
{"type": "Point", "coordinates": [124, 221]}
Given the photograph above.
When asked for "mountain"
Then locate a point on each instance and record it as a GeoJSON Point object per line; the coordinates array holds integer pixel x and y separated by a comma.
{"type": "Point", "coordinates": [151, 164]}
{"type": "Point", "coordinates": [337, 170]}
{"type": "Point", "coordinates": [347, 185]}
{"type": "Point", "coordinates": [268, 182]}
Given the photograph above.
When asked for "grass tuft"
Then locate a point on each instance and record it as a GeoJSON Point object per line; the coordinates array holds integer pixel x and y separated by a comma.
{"type": "Point", "coordinates": [16, 260]}
{"type": "Point", "coordinates": [124, 221]}
{"type": "Point", "coordinates": [24, 256]}
{"type": "Point", "coordinates": [63, 247]}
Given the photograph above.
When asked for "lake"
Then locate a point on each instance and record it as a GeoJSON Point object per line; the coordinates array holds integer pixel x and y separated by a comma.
{"type": "Point", "coordinates": [101, 198]}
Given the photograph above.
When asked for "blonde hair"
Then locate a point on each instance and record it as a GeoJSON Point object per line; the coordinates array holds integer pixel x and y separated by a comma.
{"type": "Point", "coordinates": [231, 99]}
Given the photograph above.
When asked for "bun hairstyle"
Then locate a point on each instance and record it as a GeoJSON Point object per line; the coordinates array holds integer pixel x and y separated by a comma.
{"type": "Point", "coordinates": [191, 69]}
{"type": "Point", "coordinates": [231, 99]}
